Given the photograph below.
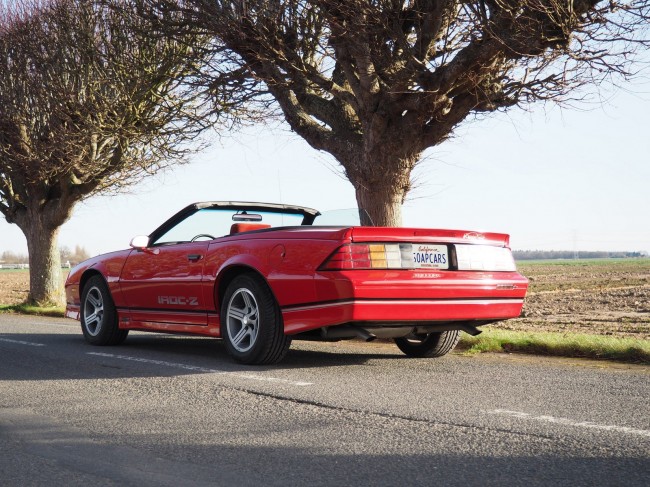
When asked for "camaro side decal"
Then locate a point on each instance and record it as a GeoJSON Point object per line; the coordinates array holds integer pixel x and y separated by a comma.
{"type": "Point", "coordinates": [182, 300]}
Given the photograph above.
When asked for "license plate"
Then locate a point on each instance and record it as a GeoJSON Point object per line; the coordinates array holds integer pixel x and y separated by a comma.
{"type": "Point", "coordinates": [430, 256]}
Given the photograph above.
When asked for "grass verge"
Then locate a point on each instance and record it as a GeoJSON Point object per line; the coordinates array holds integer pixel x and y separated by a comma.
{"type": "Point", "coordinates": [559, 344]}
{"type": "Point", "coordinates": [27, 309]}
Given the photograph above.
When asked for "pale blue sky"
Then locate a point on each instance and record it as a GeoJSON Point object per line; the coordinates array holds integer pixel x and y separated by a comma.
{"type": "Point", "coordinates": [552, 179]}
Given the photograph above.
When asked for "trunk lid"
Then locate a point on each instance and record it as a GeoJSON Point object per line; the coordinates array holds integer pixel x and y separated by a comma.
{"type": "Point", "coordinates": [425, 235]}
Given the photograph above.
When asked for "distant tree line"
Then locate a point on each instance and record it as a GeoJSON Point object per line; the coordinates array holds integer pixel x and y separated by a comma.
{"type": "Point", "coordinates": [9, 257]}
{"type": "Point", "coordinates": [571, 254]}
{"type": "Point", "coordinates": [67, 255]}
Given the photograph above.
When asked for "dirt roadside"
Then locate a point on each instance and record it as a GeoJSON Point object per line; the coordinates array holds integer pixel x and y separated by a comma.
{"type": "Point", "coordinates": [608, 297]}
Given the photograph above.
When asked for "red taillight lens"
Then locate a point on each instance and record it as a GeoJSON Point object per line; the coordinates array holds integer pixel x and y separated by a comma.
{"type": "Point", "coordinates": [370, 256]}
{"type": "Point", "coordinates": [350, 256]}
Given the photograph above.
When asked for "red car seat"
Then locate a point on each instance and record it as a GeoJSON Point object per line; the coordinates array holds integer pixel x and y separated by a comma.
{"type": "Point", "coordinates": [247, 227]}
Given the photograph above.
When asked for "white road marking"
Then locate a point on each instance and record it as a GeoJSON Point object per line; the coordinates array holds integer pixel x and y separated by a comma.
{"type": "Point", "coordinates": [21, 342]}
{"type": "Point", "coordinates": [570, 422]}
{"type": "Point", "coordinates": [196, 368]}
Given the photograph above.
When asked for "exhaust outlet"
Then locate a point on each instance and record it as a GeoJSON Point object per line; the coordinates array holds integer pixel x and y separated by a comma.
{"type": "Point", "coordinates": [365, 334]}
{"type": "Point", "coordinates": [346, 332]}
{"type": "Point", "coordinates": [470, 329]}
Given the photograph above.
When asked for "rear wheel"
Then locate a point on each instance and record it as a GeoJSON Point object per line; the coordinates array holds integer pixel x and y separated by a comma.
{"type": "Point", "coordinates": [98, 315]}
{"type": "Point", "coordinates": [431, 345]}
{"type": "Point", "coordinates": [251, 324]}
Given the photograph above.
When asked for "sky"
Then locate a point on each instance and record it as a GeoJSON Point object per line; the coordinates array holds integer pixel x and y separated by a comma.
{"type": "Point", "coordinates": [554, 179]}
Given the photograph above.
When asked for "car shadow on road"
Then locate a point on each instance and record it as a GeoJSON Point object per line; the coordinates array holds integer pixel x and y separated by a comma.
{"type": "Point", "coordinates": [302, 354]}
{"type": "Point", "coordinates": [61, 356]}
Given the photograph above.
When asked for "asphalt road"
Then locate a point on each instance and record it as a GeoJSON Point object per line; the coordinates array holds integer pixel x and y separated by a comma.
{"type": "Point", "coordinates": [167, 410]}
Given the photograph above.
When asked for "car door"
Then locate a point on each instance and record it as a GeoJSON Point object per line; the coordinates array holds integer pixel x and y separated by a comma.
{"type": "Point", "coordinates": [163, 284]}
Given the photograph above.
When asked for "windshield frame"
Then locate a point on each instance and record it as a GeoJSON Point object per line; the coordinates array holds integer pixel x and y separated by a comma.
{"type": "Point", "coordinates": [308, 214]}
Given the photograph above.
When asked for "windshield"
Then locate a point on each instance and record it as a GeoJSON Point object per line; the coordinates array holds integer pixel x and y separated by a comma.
{"type": "Point", "coordinates": [213, 223]}
{"type": "Point", "coordinates": [210, 222]}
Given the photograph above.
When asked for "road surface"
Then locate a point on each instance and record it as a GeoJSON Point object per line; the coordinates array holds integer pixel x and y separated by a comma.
{"type": "Point", "coordinates": [166, 410]}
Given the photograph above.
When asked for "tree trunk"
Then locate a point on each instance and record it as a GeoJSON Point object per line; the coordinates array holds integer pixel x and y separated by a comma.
{"type": "Point", "coordinates": [381, 181]}
{"type": "Point", "coordinates": [41, 224]}
{"type": "Point", "coordinates": [380, 207]}
{"type": "Point", "coordinates": [44, 265]}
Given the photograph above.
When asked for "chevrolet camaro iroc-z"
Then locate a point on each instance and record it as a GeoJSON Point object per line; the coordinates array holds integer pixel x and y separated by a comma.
{"type": "Point", "coordinates": [259, 275]}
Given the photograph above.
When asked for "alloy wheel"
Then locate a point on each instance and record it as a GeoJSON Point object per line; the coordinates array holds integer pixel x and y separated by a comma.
{"type": "Point", "coordinates": [242, 320]}
{"type": "Point", "coordinates": [94, 311]}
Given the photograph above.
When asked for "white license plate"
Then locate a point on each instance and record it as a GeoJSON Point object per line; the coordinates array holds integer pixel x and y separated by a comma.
{"type": "Point", "coordinates": [430, 256]}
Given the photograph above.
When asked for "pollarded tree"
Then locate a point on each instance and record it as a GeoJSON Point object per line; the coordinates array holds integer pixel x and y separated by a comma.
{"type": "Point", "coordinates": [91, 101]}
{"type": "Point", "coordinates": [376, 82]}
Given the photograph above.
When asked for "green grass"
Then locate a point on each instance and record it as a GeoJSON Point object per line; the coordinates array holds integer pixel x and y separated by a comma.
{"type": "Point", "coordinates": [559, 344]}
{"type": "Point", "coordinates": [27, 309]}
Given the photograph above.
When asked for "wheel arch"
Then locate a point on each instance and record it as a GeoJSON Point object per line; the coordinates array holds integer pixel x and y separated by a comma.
{"type": "Point", "coordinates": [226, 276]}
{"type": "Point", "coordinates": [85, 277]}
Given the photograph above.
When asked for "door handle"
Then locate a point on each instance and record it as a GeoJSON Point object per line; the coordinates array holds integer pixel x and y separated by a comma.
{"type": "Point", "coordinates": [194, 257]}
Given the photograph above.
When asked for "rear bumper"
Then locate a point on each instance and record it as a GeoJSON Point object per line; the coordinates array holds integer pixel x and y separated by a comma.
{"type": "Point", "coordinates": [398, 312]}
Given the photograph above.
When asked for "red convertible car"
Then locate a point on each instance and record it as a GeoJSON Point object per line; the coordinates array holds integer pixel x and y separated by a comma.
{"type": "Point", "coordinates": [259, 275]}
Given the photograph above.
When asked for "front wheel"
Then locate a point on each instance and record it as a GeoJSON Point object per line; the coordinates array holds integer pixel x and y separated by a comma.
{"type": "Point", "coordinates": [251, 324]}
{"type": "Point", "coordinates": [98, 314]}
{"type": "Point", "coordinates": [431, 345]}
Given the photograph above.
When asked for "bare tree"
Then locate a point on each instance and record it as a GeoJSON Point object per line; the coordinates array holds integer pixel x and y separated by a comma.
{"type": "Point", "coordinates": [9, 257]}
{"type": "Point", "coordinates": [92, 99]}
{"type": "Point", "coordinates": [73, 257]}
{"type": "Point", "coordinates": [376, 82]}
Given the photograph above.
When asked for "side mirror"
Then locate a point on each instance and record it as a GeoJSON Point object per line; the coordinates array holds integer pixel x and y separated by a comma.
{"type": "Point", "coordinates": [141, 242]}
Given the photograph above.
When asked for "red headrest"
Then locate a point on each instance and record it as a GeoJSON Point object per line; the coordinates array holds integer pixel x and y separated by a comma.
{"type": "Point", "coordinates": [247, 227]}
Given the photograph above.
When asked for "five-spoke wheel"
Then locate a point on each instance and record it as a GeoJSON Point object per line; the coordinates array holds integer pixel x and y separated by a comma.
{"type": "Point", "coordinates": [93, 314]}
{"type": "Point", "coordinates": [242, 320]}
{"type": "Point", "coordinates": [98, 315]}
{"type": "Point", "coordinates": [251, 324]}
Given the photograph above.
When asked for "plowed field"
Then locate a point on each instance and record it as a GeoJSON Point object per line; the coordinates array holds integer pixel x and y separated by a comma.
{"type": "Point", "coordinates": [605, 297]}
{"type": "Point", "coordinates": [14, 285]}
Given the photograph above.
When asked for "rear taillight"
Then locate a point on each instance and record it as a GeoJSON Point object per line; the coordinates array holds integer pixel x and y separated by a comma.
{"type": "Point", "coordinates": [420, 256]}
{"type": "Point", "coordinates": [371, 256]}
{"type": "Point", "coordinates": [355, 256]}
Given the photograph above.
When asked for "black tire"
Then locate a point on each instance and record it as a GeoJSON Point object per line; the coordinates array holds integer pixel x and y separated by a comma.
{"type": "Point", "coordinates": [431, 345]}
{"type": "Point", "coordinates": [98, 315]}
{"type": "Point", "coordinates": [251, 324]}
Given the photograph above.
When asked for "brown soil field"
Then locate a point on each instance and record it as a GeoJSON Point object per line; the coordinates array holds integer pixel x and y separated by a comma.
{"type": "Point", "coordinates": [14, 285]}
{"type": "Point", "coordinates": [604, 297]}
